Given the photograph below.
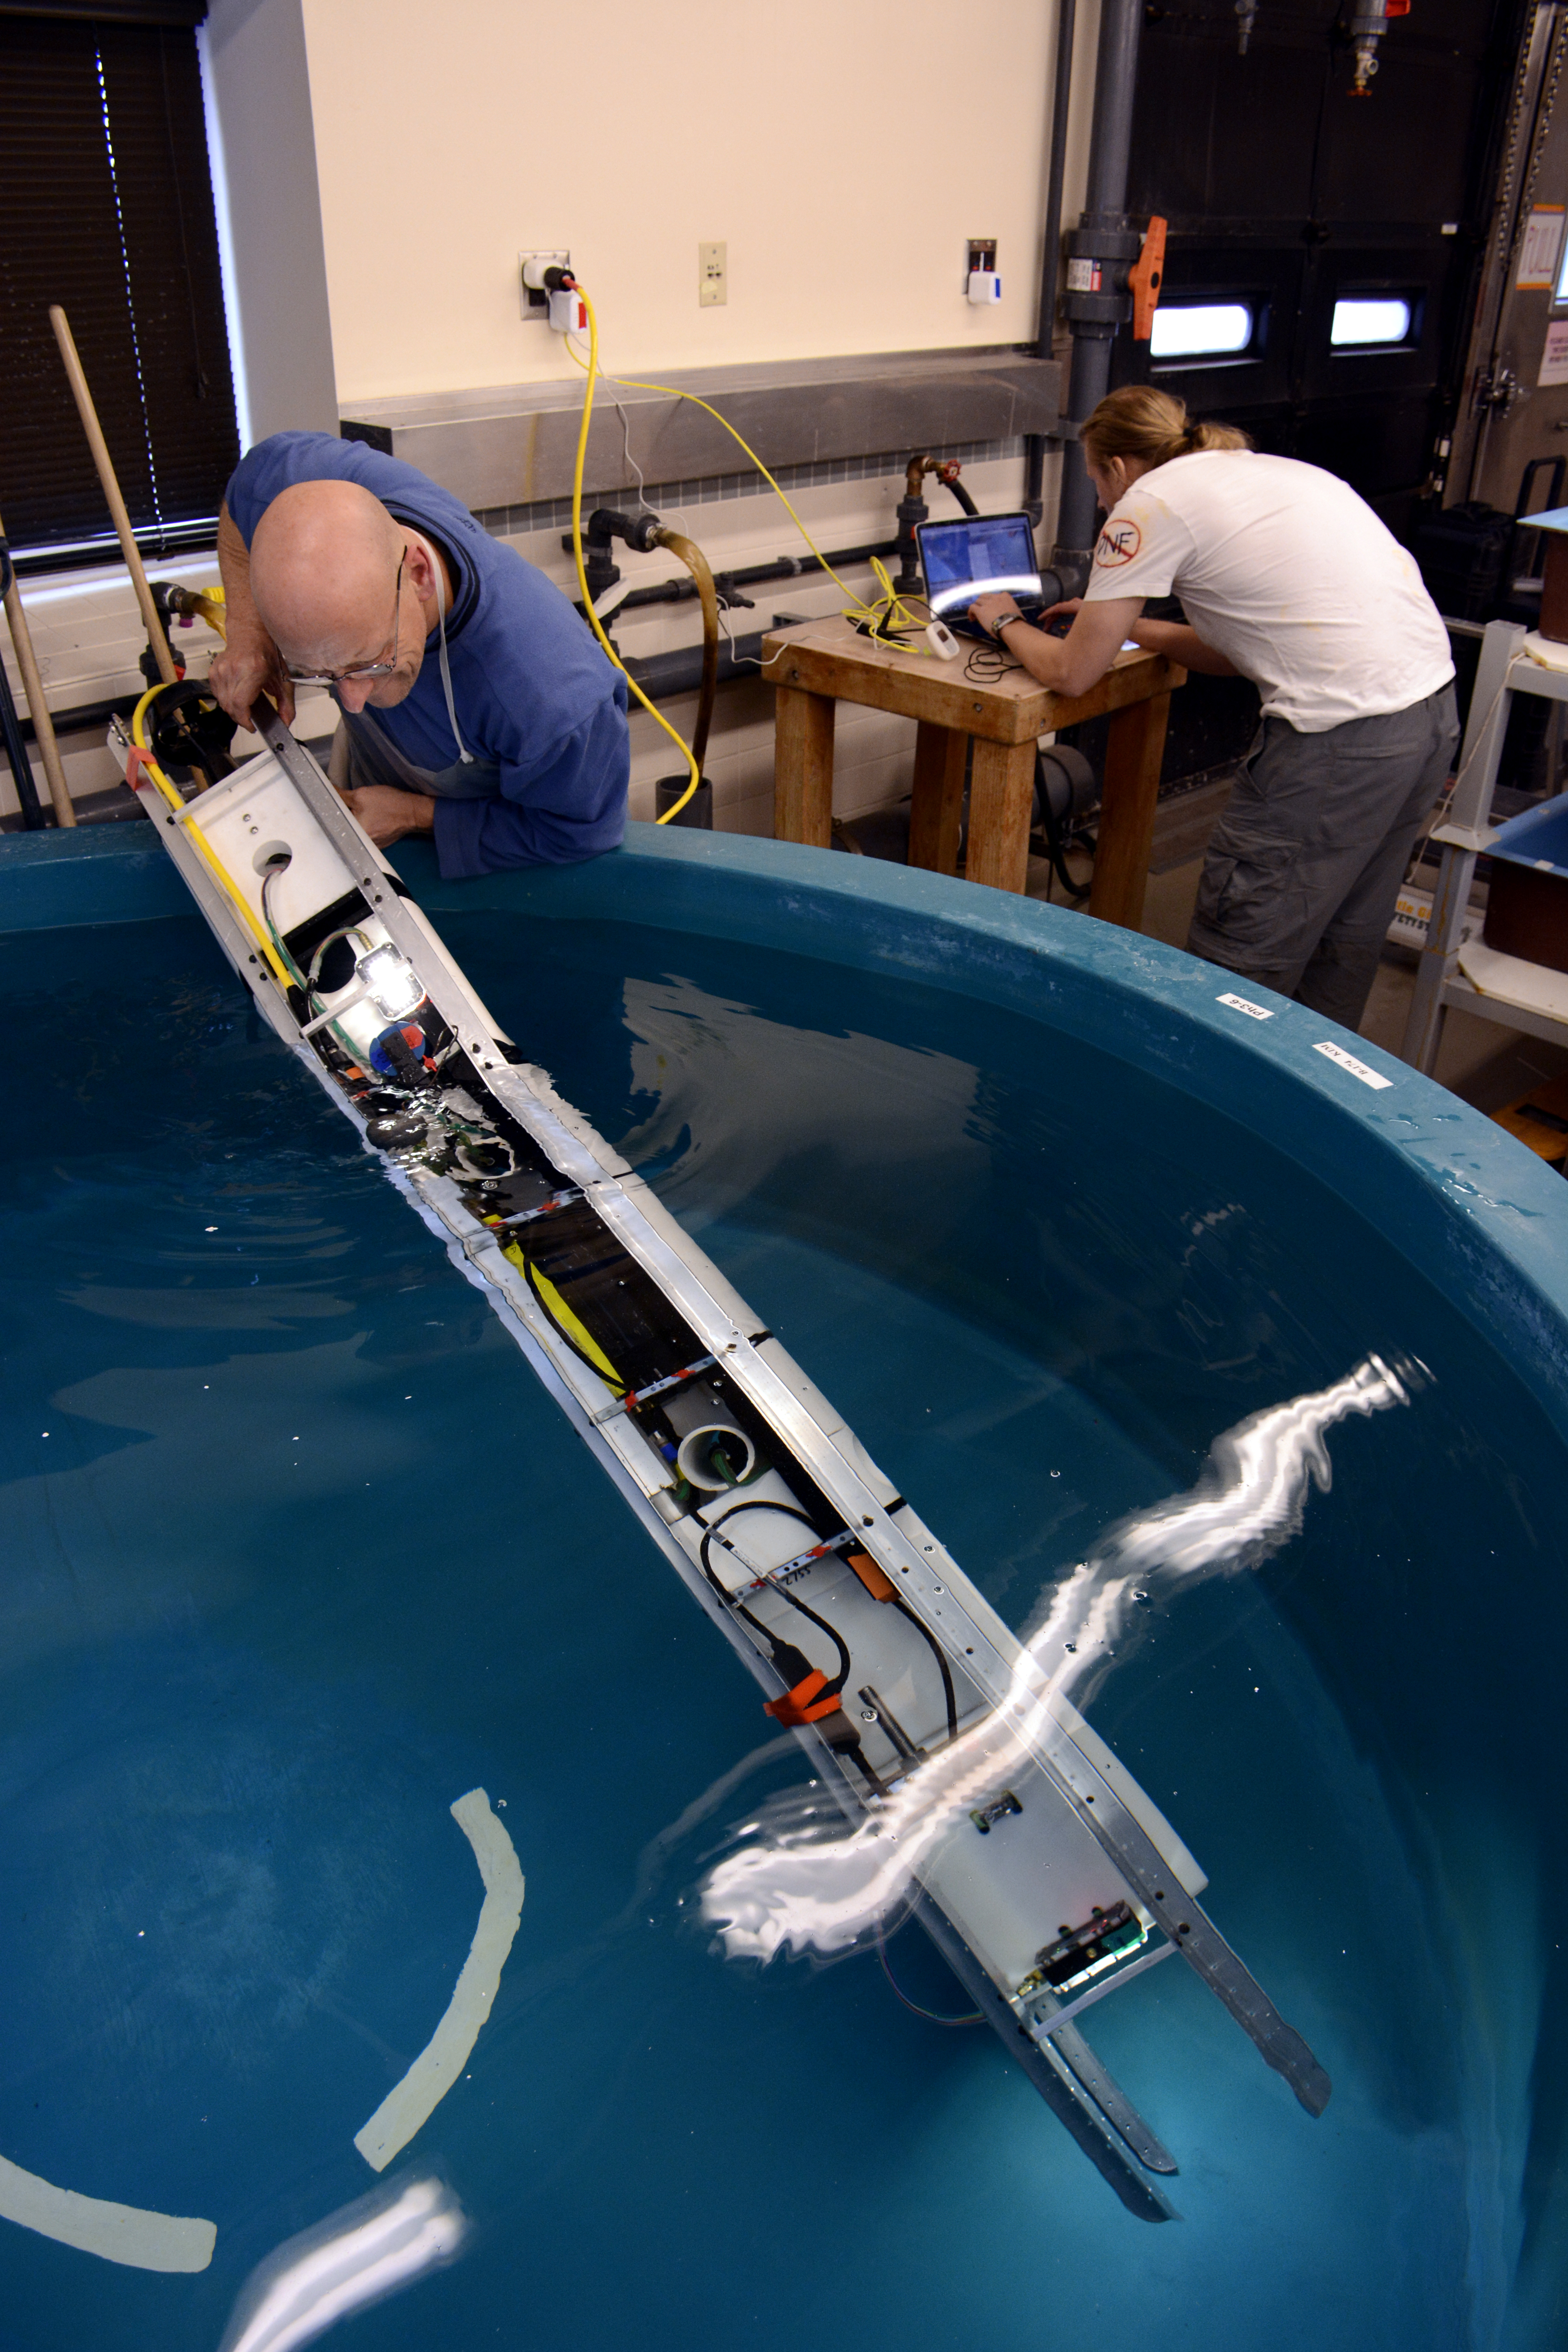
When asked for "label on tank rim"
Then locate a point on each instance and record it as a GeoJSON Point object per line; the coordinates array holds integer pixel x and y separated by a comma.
{"type": "Point", "coordinates": [1245, 1004]}
{"type": "Point", "coordinates": [1348, 1062]}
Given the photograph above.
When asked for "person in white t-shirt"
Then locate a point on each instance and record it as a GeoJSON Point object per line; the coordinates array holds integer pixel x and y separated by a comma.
{"type": "Point", "coordinates": [1288, 578]}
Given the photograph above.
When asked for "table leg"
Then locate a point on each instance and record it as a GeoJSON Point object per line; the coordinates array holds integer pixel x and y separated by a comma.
{"type": "Point", "coordinates": [1001, 798]}
{"type": "Point", "coordinates": [936, 810]}
{"type": "Point", "coordinates": [802, 767]}
{"type": "Point", "coordinates": [1132, 755]}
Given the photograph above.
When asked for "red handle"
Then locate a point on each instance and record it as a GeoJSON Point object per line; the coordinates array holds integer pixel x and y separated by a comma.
{"type": "Point", "coordinates": [1144, 278]}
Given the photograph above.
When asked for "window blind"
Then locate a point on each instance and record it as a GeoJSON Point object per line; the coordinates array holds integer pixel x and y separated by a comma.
{"type": "Point", "coordinates": [106, 207]}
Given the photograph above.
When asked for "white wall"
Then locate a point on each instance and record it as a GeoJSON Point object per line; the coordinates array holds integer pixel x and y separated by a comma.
{"type": "Point", "coordinates": [844, 152]}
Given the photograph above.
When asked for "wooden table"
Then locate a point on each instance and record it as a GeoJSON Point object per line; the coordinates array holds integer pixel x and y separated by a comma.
{"type": "Point", "coordinates": [817, 663]}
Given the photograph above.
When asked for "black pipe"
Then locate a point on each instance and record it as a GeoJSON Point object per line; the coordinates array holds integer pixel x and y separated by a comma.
{"type": "Point", "coordinates": [33, 818]}
{"type": "Point", "coordinates": [1051, 259]}
{"type": "Point", "coordinates": [663, 675]}
{"type": "Point", "coordinates": [1104, 235]}
{"type": "Point", "coordinates": [783, 567]}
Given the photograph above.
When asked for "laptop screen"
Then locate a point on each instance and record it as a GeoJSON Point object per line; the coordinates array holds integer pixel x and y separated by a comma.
{"type": "Point", "coordinates": [977, 556]}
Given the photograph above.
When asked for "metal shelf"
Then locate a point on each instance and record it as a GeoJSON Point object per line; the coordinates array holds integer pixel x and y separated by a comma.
{"type": "Point", "coordinates": [1504, 671]}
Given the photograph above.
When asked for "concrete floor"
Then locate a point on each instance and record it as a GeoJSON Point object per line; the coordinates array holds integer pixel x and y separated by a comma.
{"type": "Point", "coordinates": [1481, 1062]}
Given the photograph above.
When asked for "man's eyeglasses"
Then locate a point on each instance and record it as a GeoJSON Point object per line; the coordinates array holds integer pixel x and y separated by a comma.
{"type": "Point", "coordinates": [360, 670]}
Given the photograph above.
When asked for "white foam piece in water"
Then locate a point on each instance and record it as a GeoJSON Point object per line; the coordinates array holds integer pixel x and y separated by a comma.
{"type": "Point", "coordinates": [411, 2103]}
{"type": "Point", "coordinates": [119, 2233]}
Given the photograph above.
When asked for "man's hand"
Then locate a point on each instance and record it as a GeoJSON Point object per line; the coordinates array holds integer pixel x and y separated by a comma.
{"type": "Point", "coordinates": [387, 813]}
{"type": "Point", "coordinates": [987, 610]}
{"type": "Point", "coordinates": [1066, 611]}
{"type": "Point", "coordinates": [247, 666]}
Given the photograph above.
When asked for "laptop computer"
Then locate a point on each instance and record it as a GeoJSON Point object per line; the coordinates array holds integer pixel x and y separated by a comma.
{"type": "Point", "coordinates": [979, 555]}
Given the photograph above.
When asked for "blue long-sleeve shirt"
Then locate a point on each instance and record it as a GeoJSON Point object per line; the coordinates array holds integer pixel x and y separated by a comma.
{"type": "Point", "coordinates": [535, 698]}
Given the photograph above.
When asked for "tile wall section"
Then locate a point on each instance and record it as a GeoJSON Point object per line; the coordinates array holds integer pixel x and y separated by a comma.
{"type": "Point", "coordinates": [86, 633]}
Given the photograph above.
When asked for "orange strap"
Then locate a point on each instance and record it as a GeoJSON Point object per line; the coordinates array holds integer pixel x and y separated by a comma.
{"type": "Point", "coordinates": [877, 1585]}
{"type": "Point", "coordinates": [804, 1703]}
{"type": "Point", "coordinates": [1143, 279]}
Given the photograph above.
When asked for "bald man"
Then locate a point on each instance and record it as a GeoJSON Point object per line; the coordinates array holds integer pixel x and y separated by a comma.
{"type": "Point", "coordinates": [476, 706]}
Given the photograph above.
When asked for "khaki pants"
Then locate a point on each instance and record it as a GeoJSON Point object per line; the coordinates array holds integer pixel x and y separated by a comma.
{"type": "Point", "coordinates": [1302, 874]}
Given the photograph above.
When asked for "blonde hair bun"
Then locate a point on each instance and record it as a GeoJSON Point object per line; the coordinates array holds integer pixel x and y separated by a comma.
{"type": "Point", "coordinates": [1152, 426]}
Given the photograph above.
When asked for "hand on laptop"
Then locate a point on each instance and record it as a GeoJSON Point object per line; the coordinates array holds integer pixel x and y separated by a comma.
{"type": "Point", "coordinates": [1059, 618]}
{"type": "Point", "coordinates": [987, 610]}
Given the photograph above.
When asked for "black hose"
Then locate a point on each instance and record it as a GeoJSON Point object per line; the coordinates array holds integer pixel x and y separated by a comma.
{"type": "Point", "coordinates": [940, 1654]}
{"type": "Point", "coordinates": [962, 495]}
{"type": "Point", "coordinates": [783, 567]}
{"type": "Point", "coordinates": [1050, 825]}
{"type": "Point", "coordinates": [33, 818]}
{"type": "Point", "coordinates": [788, 1511]}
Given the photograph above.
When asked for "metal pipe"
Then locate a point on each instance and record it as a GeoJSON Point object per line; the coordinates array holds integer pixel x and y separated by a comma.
{"type": "Point", "coordinates": [1105, 233]}
{"type": "Point", "coordinates": [33, 687]}
{"type": "Point", "coordinates": [697, 563]}
{"type": "Point", "coordinates": [1051, 259]}
{"type": "Point", "coordinates": [1115, 88]}
{"type": "Point", "coordinates": [111, 487]}
{"type": "Point", "coordinates": [664, 676]}
{"type": "Point", "coordinates": [783, 567]}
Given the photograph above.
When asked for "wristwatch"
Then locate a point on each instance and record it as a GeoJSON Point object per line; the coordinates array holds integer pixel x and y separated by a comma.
{"type": "Point", "coordinates": [1004, 621]}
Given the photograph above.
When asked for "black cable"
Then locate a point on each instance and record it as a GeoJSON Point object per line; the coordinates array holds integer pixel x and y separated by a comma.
{"type": "Point", "coordinates": [940, 1654]}
{"type": "Point", "coordinates": [1050, 825]}
{"type": "Point", "coordinates": [988, 665]}
{"type": "Point", "coordinates": [788, 1511]}
{"type": "Point", "coordinates": [28, 801]}
{"type": "Point", "coordinates": [975, 2016]}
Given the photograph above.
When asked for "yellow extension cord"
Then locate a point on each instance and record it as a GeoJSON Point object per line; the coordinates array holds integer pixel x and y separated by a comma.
{"type": "Point", "coordinates": [220, 873]}
{"type": "Point", "coordinates": [889, 612]}
{"type": "Point", "coordinates": [678, 740]}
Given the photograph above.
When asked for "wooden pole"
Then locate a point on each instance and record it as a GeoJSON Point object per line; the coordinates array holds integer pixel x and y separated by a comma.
{"type": "Point", "coordinates": [38, 707]}
{"type": "Point", "coordinates": [105, 464]}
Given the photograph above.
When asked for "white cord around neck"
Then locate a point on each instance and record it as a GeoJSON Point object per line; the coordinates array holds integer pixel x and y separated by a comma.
{"type": "Point", "coordinates": [432, 557]}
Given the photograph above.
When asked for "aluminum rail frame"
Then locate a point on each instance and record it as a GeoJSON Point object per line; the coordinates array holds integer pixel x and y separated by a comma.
{"type": "Point", "coordinates": [896, 1539]}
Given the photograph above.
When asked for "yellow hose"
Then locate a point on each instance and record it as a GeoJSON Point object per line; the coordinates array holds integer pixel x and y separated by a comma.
{"type": "Point", "coordinates": [220, 874]}
{"type": "Point", "coordinates": [582, 576]}
{"type": "Point", "coordinates": [200, 604]}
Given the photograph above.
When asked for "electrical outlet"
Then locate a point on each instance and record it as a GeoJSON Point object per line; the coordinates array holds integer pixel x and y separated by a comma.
{"type": "Point", "coordinates": [531, 266]}
{"type": "Point", "coordinates": [712, 275]}
{"type": "Point", "coordinates": [981, 254]}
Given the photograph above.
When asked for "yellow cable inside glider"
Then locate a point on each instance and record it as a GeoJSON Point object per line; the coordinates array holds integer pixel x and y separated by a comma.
{"type": "Point", "coordinates": [220, 874]}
